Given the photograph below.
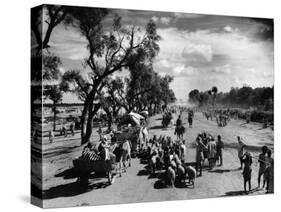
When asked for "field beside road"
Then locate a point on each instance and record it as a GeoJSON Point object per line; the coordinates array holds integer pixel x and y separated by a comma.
{"type": "Point", "coordinates": [136, 185]}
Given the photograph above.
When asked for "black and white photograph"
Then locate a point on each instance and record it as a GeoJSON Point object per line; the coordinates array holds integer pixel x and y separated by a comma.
{"type": "Point", "coordinates": [133, 106]}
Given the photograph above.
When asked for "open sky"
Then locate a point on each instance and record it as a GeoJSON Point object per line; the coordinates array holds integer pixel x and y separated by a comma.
{"type": "Point", "coordinates": [200, 51]}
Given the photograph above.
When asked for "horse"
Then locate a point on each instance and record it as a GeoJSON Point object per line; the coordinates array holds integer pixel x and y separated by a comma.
{"type": "Point", "coordinates": [179, 131]}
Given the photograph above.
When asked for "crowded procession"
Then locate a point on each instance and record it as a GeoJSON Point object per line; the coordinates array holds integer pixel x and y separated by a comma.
{"type": "Point", "coordinates": [139, 106]}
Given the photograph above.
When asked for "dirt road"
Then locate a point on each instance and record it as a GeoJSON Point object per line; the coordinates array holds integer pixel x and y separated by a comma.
{"type": "Point", "coordinates": [136, 185]}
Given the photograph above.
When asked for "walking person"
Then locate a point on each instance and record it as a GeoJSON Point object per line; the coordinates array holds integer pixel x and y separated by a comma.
{"type": "Point", "coordinates": [64, 130]}
{"type": "Point", "coordinates": [182, 151]}
{"type": "Point", "coordinates": [240, 149]}
{"type": "Point", "coordinates": [72, 129]}
{"type": "Point", "coordinates": [190, 118]}
{"type": "Point", "coordinates": [118, 151]}
{"type": "Point", "coordinates": [51, 136]}
{"type": "Point", "coordinates": [179, 130]}
{"type": "Point", "coordinates": [212, 153]}
{"type": "Point", "coordinates": [269, 174]}
{"type": "Point", "coordinates": [220, 146]}
{"type": "Point", "coordinates": [262, 164]}
{"type": "Point", "coordinates": [247, 171]}
{"type": "Point", "coordinates": [199, 157]}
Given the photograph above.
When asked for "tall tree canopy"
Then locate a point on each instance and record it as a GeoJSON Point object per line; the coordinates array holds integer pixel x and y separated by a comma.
{"type": "Point", "coordinates": [110, 50]}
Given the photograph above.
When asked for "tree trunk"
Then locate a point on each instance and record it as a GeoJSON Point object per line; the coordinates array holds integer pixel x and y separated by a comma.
{"type": "Point", "coordinates": [109, 118]}
{"type": "Point", "coordinates": [87, 121]}
{"type": "Point", "coordinates": [89, 126]}
{"type": "Point", "coordinates": [55, 116]}
{"type": "Point", "coordinates": [109, 123]}
{"type": "Point", "coordinates": [155, 108]}
{"type": "Point", "coordinates": [150, 107]}
{"type": "Point", "coordinates": [84, 122]}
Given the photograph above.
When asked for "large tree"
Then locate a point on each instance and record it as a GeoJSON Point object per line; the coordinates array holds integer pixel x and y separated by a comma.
{"type": "Point", "coordinates": [213, 93]}
{"type": "Point", "coordinates": [144, 89]}
{"type": "Point", "coordinates": [109, 51]}
{"type": "Point", "coordinates": [43, 17]}
{"type": "Point", "coordinates": [199, 97]}
{"type": "Point", "coordinates": [111, 99]}
{"type": "Point", "coordinates": [50, 81]}
{"type": "Point", "coordinates": [52, 15]}
{"type": "Point", "coordinates": [54, 93]}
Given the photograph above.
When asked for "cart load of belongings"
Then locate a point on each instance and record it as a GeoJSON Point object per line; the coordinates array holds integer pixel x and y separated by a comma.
{"type": "Point", "coordinates": [130, 120]}
{"type": "Point", "coordinates": [94, 157]}
{"type": "Point", "coordinates": [129, 129]}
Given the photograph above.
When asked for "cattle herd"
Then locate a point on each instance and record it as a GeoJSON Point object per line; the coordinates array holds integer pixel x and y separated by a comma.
{"type": "Point", "coordinates": [165, 155]}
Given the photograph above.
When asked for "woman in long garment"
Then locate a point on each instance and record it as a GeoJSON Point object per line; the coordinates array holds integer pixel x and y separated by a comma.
{"type": "Point", "coordinates": [199, 158]}
{"type": "Point", "coordinates": [212, 153]}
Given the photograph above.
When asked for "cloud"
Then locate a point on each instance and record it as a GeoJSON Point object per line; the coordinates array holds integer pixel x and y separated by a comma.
{"type": "Point", "coordinates": [162, 20]}
{"type": "Point", "coordinates": [68, 43]}
{"type": "Point", "coordinates": [165, 20]}
{"type": "Point", "coordinates": [182, 70]}
{"type": "Point", "coordinates": [174, 67]}
{"type": "Point", "coordinates": [230, 29]}
{"type": "Point", "coordinates": [213, 55]}
{"type": "Point", "coordinates": [267, 74]}
{"type": "Point", "coordinates": [226, 69]}
{"type": "Point", "coordinates": [197, 51]}
{"type": "Point", "coordinates": [155, 19]}
{"type": "Point", "coordinates": [61, 69]}
{"type": "Point", "coordinates": [187, 15]}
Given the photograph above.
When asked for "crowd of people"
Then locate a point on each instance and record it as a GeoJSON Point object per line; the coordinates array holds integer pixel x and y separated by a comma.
{"type": "Point", "coordinates": [222, 117]}
{"type": "Point", "coordinates": [266, 167]}
{"type": "Point", "coordinates": [164, 153]}
{"type": "Point", "coordinates": [208, 148]}
{"type": "Point", "coordinates": [168, 155]}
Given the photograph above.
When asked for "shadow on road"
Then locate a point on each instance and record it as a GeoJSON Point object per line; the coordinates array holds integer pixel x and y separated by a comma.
{"type": "Point", "coordinates": [234, 193]}
{"type": "Point", "coordinates": [153, 176]}
{"type": "Point", "coordinates": [162, 184]}
{"type": "Point", "coordinates": [68, 174]}
{"type": "Point", "coordinates": [60, 150]}
{"type": "Point", "coordinates": [143, 172]}
{"type": "Point", "coordinates": [71, 174]}
{"type": "Point", "coordinates": [221, 171]}
{"type": "Point", "coordinates": [156, 127]}
{"type": "Point", "coordinates": [71, 189]}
